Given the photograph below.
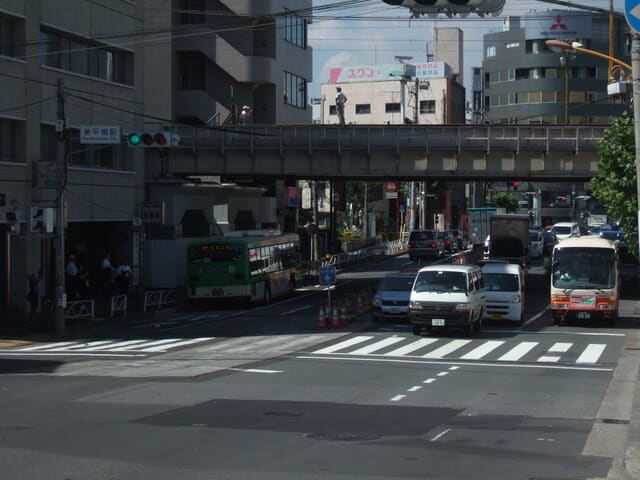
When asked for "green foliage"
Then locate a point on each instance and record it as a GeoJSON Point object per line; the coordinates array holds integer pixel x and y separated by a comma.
{"type": "Point", "coordinates": [615, 184]}
{"type": "Point", "coordinates": [507, 201]}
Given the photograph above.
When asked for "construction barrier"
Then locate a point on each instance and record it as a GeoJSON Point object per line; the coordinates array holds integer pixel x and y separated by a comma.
{"type": "Point", "coordinates": [322, 318]}
{"type": "Point", "coordinates": [335, 317]}
{"type": "Point", "coordinates": [80, 309]}
{"type": "Point", "coordinates": [118, 305]}
{"type": "Point", "coordinates": [157, 299]}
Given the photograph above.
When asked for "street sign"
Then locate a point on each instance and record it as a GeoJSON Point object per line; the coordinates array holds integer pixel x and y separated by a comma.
{"type": "Point", "coordinates": [95, 134]}
{"type": "Point", "coordinates": [632, 14]}
{"type": "Point", "coordinates": [327, 275]}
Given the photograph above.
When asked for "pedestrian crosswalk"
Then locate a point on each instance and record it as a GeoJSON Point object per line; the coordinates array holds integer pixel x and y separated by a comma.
{"type": "Point", "coordinates": [113, 346]}
{"type": "Point", "coordinates": [477, 349]}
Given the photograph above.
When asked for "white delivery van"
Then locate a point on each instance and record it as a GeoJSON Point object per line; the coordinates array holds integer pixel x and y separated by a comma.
{"type": "Point", "coordinates": [505, 291]}
{"type": "Point", "coordinates": [447, 296]}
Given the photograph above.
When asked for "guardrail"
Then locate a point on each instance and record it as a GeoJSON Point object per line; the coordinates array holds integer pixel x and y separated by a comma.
{"type": "Point", "coordinates": [80, 309]}
{"type": "Point", "coordinates": [348, 258]}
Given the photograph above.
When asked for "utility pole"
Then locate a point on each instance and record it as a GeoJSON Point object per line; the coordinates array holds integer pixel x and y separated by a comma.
{"type": "Point", "coordinates": [61, 174]}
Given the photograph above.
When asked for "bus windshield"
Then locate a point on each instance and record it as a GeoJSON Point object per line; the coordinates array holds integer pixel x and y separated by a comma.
{"type": "Point", "coordinates": [584, 268]}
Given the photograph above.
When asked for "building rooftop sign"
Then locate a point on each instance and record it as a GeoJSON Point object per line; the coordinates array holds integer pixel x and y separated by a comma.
{"type": "Point", "coordinates": [371, 73]}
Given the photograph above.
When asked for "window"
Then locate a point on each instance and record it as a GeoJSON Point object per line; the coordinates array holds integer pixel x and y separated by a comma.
{"type": "Point", "coordinates": [297, 90]}
{"type": "Point", "coordinates": [363, 108]}
{"type": "Point", "coordinates": [427, 106]}
{"type": "Point", "coordinates": [537, 73]}
{"type": "Point", "coordinates": [522, 73]}
{"type": "Point", "coordinates": [191, 74]}
{"type": "Point", "coordinates": [333, 110]}
{"type": "Point", "coordinates": [491, 51]}
{"type": "Point", "coordinates": [535, 97]}
{"type": "Point", "coordinates": [191, 12]}
{"type": "Point", "coordinates": [549, 96]}
{"type": "Point", "coordinates": [392, 107]}
{"type": "Point", "coordinates": [295, 29]}
{"type": "Point", "coordinates": [11, 141]}
{"type": "Point", "coordinates": [10, 32]}
{"type": "Point", "coordinates": [512, 45]}
{"type": "Point", "coordinates": [86, 58]}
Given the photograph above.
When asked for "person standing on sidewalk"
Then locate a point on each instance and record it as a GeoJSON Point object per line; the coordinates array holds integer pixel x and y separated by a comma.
{"type": "Point", "coordinates": [72, 278]}
{"type": "Point", "coordinates": [341, 99]}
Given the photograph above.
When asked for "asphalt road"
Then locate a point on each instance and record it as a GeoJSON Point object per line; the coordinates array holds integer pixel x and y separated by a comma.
{"type": "Point", "coordinates": [240, 393]}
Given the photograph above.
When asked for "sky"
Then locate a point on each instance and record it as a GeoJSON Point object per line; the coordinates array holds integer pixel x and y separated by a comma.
{"type": "Point", "coordinates": [365, 32]}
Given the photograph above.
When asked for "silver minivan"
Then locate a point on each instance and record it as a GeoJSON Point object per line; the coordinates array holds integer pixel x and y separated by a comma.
{"type": "Point", "coordinates": [447, 296]}
{"type": "Point", "coordinates": [564, 230]}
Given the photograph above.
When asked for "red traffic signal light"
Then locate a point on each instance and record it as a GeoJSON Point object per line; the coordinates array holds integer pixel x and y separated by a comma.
{"type": "Point", "coordinates": [516, 185]}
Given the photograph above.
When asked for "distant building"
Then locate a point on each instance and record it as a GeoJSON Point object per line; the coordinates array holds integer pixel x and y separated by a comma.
{"type": "Point", "coordinates": [526, 82]}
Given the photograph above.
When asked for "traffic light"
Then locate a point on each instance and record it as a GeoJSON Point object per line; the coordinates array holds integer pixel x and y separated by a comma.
{"type": "Point", "coordinates": [450, 7]}
{"type": "Point", "coordinates": [515, 185]}
{"type": "Point", "coordinates": [36, 219]}
{"type": "Point", "coordinates": [160, 139]}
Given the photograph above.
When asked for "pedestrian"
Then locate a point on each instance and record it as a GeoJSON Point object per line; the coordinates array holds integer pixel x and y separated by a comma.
{"type": "Point", "coordinates": [245, 115]}
{"type": "Point", "coordinates": [341, 99]}
{"type": "Point", "coordinates": [106, 274]}
{"type": "Point", "coordinates": [123, 276]}
{"type": "Point", "coordinates": [83, 281]}
{"type": "Point", "coordinates": [34, 296]}
{"type": "Point", "coordinates": [72, 278]}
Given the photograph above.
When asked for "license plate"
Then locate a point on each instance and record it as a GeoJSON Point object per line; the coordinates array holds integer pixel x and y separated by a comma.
{"type": "Point", "coordinates": [496, 316]}
{"type": "Point", "coordinates": [437, 322]}
{"type": "Point", "coordinates": [583, 315]}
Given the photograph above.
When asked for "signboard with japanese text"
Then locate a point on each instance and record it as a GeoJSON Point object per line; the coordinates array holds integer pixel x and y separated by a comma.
{"type": "Point", "coordinates": [97, 134]}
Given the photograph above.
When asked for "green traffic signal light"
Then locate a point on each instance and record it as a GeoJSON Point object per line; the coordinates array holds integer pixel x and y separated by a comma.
{"type": "Point", "coordinates": [134, 139]}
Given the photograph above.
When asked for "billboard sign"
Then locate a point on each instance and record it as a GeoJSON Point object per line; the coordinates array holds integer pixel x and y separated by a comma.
{"type": "Point", "coordinates": [558, 24]}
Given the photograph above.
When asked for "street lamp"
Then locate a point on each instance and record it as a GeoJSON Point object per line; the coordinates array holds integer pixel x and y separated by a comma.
{"type": "Point", "coordinates": [560, 46]}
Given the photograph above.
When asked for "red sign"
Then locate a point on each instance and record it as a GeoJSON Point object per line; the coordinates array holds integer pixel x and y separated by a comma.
{"type": "Point", "coordinates": [391, 189]}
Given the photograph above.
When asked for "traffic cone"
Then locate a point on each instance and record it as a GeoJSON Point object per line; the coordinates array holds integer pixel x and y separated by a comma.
{"type": "Point", "coordinates": [322, 318]}
{"type": "Point", "coordinates": [335, 319]}
{"type": "Point", "coordinates": [344, 320]}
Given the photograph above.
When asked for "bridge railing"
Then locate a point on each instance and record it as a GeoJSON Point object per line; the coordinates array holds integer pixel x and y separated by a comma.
{"type": "Point", "coordinates": [394, 137]}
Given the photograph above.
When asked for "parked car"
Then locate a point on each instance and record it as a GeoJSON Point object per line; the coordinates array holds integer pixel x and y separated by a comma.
{"type": "Point", "coordinates": [536, 243]}
{"type": "Point", "coordinates": [424, 243]}
{"type": "Point", "coordinates": [391, 300]}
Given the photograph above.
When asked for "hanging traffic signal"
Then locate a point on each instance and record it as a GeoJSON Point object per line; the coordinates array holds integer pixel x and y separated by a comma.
{"type": "Point", "coordinates": [153, 139]}
{"type": "Point", "coordinates": [36, 219]}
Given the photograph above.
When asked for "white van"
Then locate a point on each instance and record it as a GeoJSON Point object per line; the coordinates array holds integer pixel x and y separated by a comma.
{"type": "Point", "coordinates": [564, 230]}
{"type": "Point", "coordinates": [445, 296]}
{"type": "Point", "coordinates": [505, 291]}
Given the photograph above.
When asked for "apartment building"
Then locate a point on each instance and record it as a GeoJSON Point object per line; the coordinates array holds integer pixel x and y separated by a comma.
{"type": "Point", "coordinates": [527, 82]}
{"type": "Point", "coordinates": [132, 66]}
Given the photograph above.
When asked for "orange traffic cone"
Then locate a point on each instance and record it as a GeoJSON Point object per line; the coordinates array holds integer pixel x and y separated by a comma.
{"type": "Point", "coordinates": [335, 319]}
{"type": "Point", "coordinates": [344, 320]}
{"type": "Point", "coordinates": [322, 318]}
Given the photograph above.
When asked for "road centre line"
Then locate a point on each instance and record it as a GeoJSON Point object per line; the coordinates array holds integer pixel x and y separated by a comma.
{"type": "Point", "coordinates": [558, 332]}
{"type": "Point", "coordinates": [414, 389]}
{"type": "Point", "coordinates": [440, 435]}
{"type": "Point", "coordinates": [397, 398]}
{"type": "Point", "coordinates": [453, 362]}
{"type": "Point", "coordinates": [535, 317]}
{"type": "Point", "coordinates": [296, 310]}
{"type": "Point", "coordinates": [442, 374]}
{"type": "Point", "coordinates": [429, 380]}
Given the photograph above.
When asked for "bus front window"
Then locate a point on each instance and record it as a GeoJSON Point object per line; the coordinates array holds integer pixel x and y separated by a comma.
{"type": "Point", "coordinates": [584, 269]}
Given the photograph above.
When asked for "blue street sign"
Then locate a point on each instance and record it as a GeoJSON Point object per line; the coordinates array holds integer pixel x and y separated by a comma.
{"type": "Point", "coordinates": [327, 275]}
{"type": "Point", "coordinates": [632, 14]}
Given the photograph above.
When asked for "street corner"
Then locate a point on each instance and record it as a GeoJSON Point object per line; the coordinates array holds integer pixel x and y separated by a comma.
{"type": "Point", "coordinates": [13, 342]}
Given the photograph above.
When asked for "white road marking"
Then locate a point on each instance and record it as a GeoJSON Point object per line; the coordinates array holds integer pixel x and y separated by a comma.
{"type": "Point", "coordinates": [117, 345]}
{"type": "Point", "coordinates": [397, 398]}
{"type": "Point", "coordinates": [377, 346]}
{"type": "Point", "coordinates": [440, 435]}
{"type": "Point", "coordinates": [454, 368]}
{"type": "Point", "coordinates": [72, 354]}
{"type": "Point", "coordinates": [419, 361]}
{"type": "Point", "coordinates": [255, 370]}
{"type": "Point", "coordinates": [429, 380]}
{"type": "Point", "coordinates": [535, 317]}
{"type": "Point", "coordinates": [442, 374]}
{"type": "Point", "coordinates": [548, 358]}
{"type": "Point", "coordinates": [33, 348]}
{"type": "Point", "coordinates": [414, 389]}
{"type": "Point", "coordinates": [446, 349]}
{"type": "Point", "coordinates": [560, 347]}
{"type": "Point", "coordinates": [484, 349]}
{"type": "Point", "coordinates": [412, 347]}
{"type": "Point", "coordinates": [347, 343]}
{"type": "Point", "coordinates": [517, 352]}
{"type": "Point", "coordinates": [592, 353]}
{"type": "Point", "coordinates": [164, 347]}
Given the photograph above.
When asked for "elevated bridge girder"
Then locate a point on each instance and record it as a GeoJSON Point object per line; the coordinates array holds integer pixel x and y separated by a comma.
{"type": "Point", "coordinates": [381, 152]}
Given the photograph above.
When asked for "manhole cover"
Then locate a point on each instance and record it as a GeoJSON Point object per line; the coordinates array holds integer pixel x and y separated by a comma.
{"type": "Point", "coordinates": [343, 437]}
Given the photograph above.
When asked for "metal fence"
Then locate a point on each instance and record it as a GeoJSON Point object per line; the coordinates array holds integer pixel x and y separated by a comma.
{"type": "Point", "coordinates": [119, 305]}
{"type": "Point", "coordinates": [157, 299]}
{"type": "Point", "coordinates": [80, 309]}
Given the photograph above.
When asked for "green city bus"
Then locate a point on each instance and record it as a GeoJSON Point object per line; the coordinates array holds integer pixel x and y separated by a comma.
{"type": "Point", "coordinates": [245, 266]}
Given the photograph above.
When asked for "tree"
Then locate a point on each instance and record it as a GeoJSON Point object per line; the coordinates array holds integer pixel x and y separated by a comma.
{"type": "Point", "coordinates": [507, 201]}
{"type": "Point", "coordinates": [615, 184]}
